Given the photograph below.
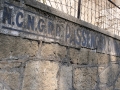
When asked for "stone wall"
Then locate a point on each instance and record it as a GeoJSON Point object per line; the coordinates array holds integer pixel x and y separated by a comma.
{"type": "Point", "coordinates": [27, 63]}
{"type": "Point", "coordinates": [32, 65]}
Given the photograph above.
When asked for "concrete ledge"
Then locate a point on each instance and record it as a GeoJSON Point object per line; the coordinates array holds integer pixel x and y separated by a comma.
{"type": "Point", "coordinates": [60, 14]}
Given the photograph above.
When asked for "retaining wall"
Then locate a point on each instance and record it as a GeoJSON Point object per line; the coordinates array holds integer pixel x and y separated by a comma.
{"type": "Point", "coordinates": [42, 48]}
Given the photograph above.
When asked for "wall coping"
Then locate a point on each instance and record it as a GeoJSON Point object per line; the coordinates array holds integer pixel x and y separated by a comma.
{"type": "Point", "coordinates": [60, 14]}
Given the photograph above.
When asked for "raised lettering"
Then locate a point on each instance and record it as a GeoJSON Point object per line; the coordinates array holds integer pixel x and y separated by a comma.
{"type": "Point", "coordinates": [41, 25]}
{"type": "Point", "coordinates": [50, 28]}
{"type": "Point", "coordinates": [101, 43]}
{"type": "Point", "coordinates": [19, 16]}
{"type": "Point", "coordinates": [93, 40]}
{"type": "Point", "coordinates": [88, 39]}
{"type": "Point", "coordinates": [72, 37]}
{"type": "Point", "coordinates": [58, 30]}
{"type": "Point", "coordinates": [78, 37]}
{"type": "Point", "coordinates": [67, 37]}
{"type": "Point", "coordinates": [7, 13]}
{"type": "Point", "coordinates": [84, 39]}
{"type": "Point", "coordinates": [30, 23]}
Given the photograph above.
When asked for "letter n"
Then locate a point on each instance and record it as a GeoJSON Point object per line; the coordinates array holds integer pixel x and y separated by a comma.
{"type": "Point", "coordinates": [30, 22]}
{"type": "Point", "coordinates": [7, 13]}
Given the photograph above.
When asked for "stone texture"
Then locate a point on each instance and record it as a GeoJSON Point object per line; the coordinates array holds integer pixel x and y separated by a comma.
{"type": "Point", "coordinates": [6, 46]}
{"type": "Point", "coordinates": [4, 87]}
{"type": "Point", "coordinates": [104, 87]}
{"type": "Point", "coordinates": [9, 65]}
{"type": "Point", "coordinates": [100, 59]}
{"type": "Point", "coordinates": [49, 75]}
{"type": "Point", "coordinates": [113, 58]}
{"type": "Point", "coordinates": [15, 47]}
{"type": "Point", "coordinates": [108, 75]}
{"type": "Point", "coordinates": [9, 80]}
{"type": "Point", "coordinates": [85, 78]}
{"type": "Point", "coordinates": [65, 78]}
{"type": "Point", "coordinates": [117, 83]}
{"type": "Point", "coordinates": [103, 59]}
{"type": "Point", "coordinates": [53, 51]}
{"type": "Point", "coordinates": [79, 56]}
{"type": "Point", "coordinates": [92, 57]}
{"type": "Point", "coordinates": [40, 75]}
{"type": "Point", "coordinates": [24, 47]}
{"type": "Point", "coordinates": [74, 55]}
{"type": "Point", "coordinates": [117, 60]}
{"type": "Point", "coordinates": [86, 56]}
{"type": "Point", "coordinates": [83, 56]}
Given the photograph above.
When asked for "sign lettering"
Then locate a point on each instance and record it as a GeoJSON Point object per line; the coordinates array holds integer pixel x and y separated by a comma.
{"type": "Point", "coordinates": [20, 22]}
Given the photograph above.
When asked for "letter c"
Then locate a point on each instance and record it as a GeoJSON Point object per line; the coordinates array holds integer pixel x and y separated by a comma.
{"type": "Point", "coordinates": [19, 24]}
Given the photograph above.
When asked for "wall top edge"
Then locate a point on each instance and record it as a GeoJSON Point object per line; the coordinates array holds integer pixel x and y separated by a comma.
{"type": "Point", "coordinates": [60, 14]}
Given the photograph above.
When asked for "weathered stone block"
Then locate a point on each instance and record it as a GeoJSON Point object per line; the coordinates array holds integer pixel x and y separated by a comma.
{"type": "Point", "coordinates": [6, 46]}
{"type": "Point", "coordinates": [83, 56]}
{"type": "Point", "coordinates": [65, 78]}
{"type": "Point", "coordinates": [85, 78]}
{"type": "Point", "coordinates": [9, 65]}
{"type": "Point", "coordinates": [9, 80]}
{"type": "Point", "coordinates": [113, 58]}
{"type": "Point", "coordinates": [40, 75]}
{"type": "Point", "coordinates": [14, 46]}
{"type": "Point", "coordinates": [53, 51]}
{"type": "Point", "coordinates": [79, 56]}
{"type": "Point", "coordinates": [117, 60]}
{"type": "Point", "coordinates": [103, 58]}
{"type": "Point", "coordinates": [4, 86]}
{"type": "Point", "coordinates": [92, 57]}
{"type": "Point", "coordinates": [74, 55]}
{"type": "Point", "coordinates": [105, 87]}
{"type": "Point", "coordinates": [108, 75]}
{"type": "Point", "coordinates": [117, 83]}
{"type": "Point", "coordinates": [24, 47]}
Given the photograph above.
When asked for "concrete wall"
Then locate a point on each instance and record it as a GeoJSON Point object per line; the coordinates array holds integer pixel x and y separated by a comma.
{"type": "Point", "coordinates": [42, 60]}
